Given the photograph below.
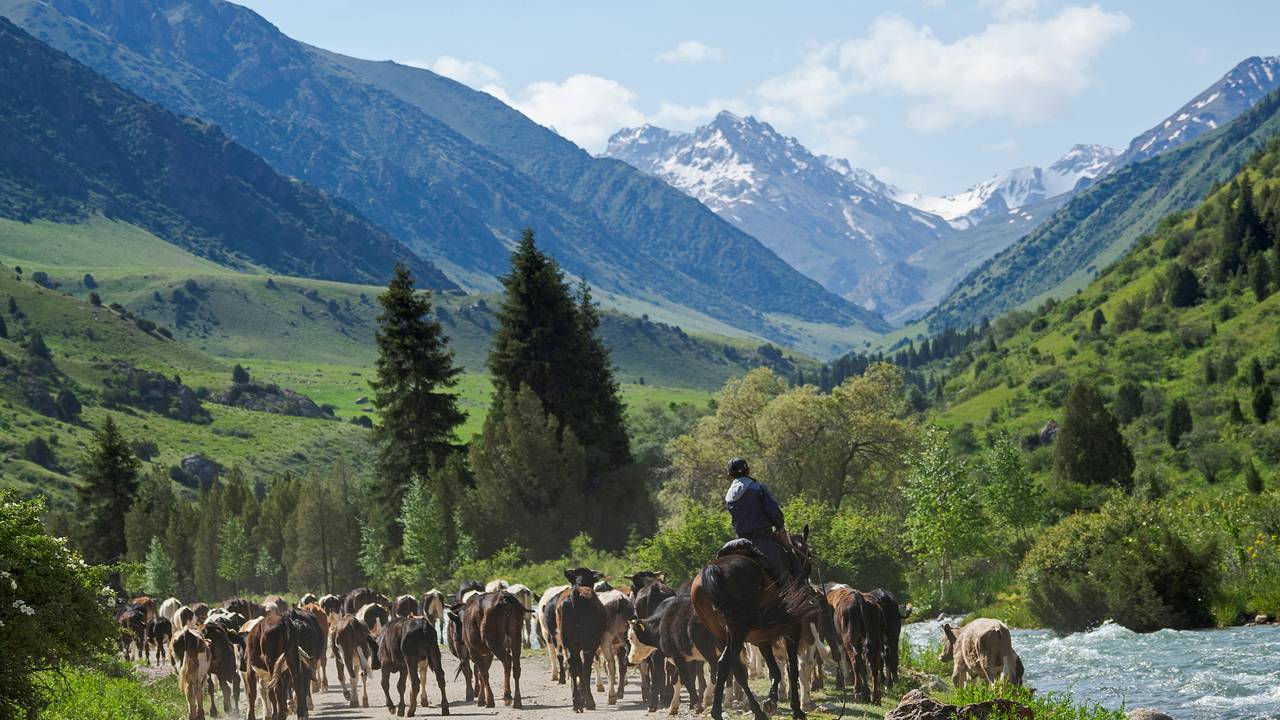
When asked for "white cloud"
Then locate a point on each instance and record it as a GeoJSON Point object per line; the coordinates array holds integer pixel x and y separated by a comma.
{"type": "Point", "coordinates": [675, 115]}
{"type": "Point", "coordinates": [691, 51]}
{"type": "Point", "coordinates": [1019, 70]}
{"type": "Point", "coordinates": [586, 109]}
{"type": "Point", "coordinates": [468, 72]}
{"type": "Point", "coordinates": [1006, 9]}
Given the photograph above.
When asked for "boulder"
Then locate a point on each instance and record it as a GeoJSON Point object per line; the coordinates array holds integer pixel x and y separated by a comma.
{"type": "Point", "coordinates": [917, 705]}
{"type": "Point", "coordinates": [202, 468]}
{"type": "Point", "coordinates": [1146, 714]}
{"type": "Point", "coordinates": [362, 400]}
{"type": "Point", "coordinates": [1262, 619]}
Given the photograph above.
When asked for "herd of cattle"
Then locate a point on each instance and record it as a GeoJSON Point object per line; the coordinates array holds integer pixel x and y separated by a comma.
{"type": "Point", "coordinates": [279, 651]}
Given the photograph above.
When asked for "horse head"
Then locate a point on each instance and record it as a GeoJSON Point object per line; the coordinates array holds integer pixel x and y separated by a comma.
{"type": "Point", "coordinates": [800, 544]}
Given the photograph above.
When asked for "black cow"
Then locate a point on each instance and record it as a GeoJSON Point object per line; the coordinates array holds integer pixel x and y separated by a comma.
{"type": "Point", "coordinates": [406, 645]}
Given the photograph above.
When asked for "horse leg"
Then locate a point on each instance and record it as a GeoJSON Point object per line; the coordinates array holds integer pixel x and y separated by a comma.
{"type": "Point", "coordinates": [775, 677]}
{"type": "Point", "coordinates": [740, 676]}
{"type": "Point", "coordinates": [793, 678]}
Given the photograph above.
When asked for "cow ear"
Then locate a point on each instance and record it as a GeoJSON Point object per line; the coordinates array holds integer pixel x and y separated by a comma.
{"type": "Point", "coordinates": [628, 577]}
{"type": "Point", "coordinates": [805, 534]}
{"type": "Point", "coordinates": [946, 630]}
{"type": "Point", "coordinates": [568, 575]}
{"type": "Point", "coordinates": [662, 576]}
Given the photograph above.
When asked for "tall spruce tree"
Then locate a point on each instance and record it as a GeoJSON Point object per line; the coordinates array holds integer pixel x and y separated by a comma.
{"type": "Point", "coordinates": [1178, 423]}
{"type": "Point", "coordinates": [1090, 448]}
{"type": "Point", "coordinates": [110, 482]}
{"type": "Point", "coordinates": [418, 414]}
{"type": "Point", "coordinates": [546, 340]}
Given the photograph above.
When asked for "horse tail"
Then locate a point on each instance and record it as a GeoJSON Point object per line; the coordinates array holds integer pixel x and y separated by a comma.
{"type": "Point", "coordinates": [736, 609]}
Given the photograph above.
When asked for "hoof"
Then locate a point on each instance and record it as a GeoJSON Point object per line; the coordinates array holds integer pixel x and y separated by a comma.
{"type": "Point", "coordinates": [444, 709]}
{"type": "Point", "coordinates": [770, 706]}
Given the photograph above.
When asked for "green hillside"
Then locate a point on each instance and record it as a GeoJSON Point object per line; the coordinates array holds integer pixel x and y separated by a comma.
{"type": "Point", "coordinates": [1161, 339]}
{"type": "Point", "coordinates": [73, 145]}
{"type": "Point", "coordinates": [1101, 223]}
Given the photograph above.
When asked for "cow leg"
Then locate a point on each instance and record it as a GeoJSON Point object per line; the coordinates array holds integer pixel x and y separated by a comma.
{"type": "Point", "coordinates": [415, 686]}
{"type": "Point", "coordinates": [364, 679]}
{"type": "Point", "coordinates": [554, 657]}
{"type": "Point", "coordinates": [401, 681]}
{"type": "Point", "coordinates": [386, 689]}
{"type": "Point", "coordinates": [437, 666]}
{"type": "Point", "coordinates": [775, 678]}
{"type": "Point", "coordinates": [251, 692]}
{"type": "Point", "coordinates": [423, 700]}
{"type": "Point", "coordinates": [575, 679]}
{"type": "Point", "coordinates": [516, 701]}
{"type": "Point", "coordinates": [609, 659]}
{"type": "Point", "coordinates": [621, 661]}
{"type": "Point", "coordinates": [340, 661]}
{"type": "Point", "coordinates": [588, 700]}
{"type": "Point", "coordinates": [486, 664]}
{"type": "Point", "coordinates": [213, 700]}
{"type": "Point", "coordinates": [793, 677]}
{"type": "Point", "coordinates": [598, 666]}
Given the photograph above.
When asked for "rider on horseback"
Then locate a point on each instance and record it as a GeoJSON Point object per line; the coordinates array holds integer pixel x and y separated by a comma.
{"type": "Point", "coordinates": [758, 518]}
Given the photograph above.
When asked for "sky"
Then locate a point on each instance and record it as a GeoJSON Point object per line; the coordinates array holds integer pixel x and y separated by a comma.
{"type": "Point", "coordinates": [931, 95]}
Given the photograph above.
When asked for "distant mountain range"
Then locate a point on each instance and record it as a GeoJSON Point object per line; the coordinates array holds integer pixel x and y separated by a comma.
{"type": "Point", "coordinates": [890, 250]}
{"type": "Point", "coordinates": [73, 145]}
{"type": "Point", "coordinates": [452, 172]}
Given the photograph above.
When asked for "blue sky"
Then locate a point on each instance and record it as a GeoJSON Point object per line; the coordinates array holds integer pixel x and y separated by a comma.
{"type": "Point", "coordinates": [933, 95]}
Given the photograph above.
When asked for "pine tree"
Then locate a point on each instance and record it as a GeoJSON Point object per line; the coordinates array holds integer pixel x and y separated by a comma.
{"type": "Point", "coordinates": [609, 446]}
{"type": "Point", "coordinates": [1253, 479]}
{"type": "Point", "coordinates": [160, 575]}
{"type": "Point", "coordinates": [1237, 415]}
{"type": "Point", "coordinates": [1178, 423]}
{"type": "Point", "coordinates": [37, 348]}
{"type": "Point", "coordinates": [546, 340]}
{"type": "Point", "coordinates": [1090, 448]}
{"type": "Point", "coordinates": [419, 415]}
{"type": "Point", "coordinates": [235, 556]}
{"type": "Point", "coordinates": [4, 329]}
{"type": "Point", "coordinates": [530, 475]}
{"type": "Point", "coordinates": [1257, 376]}
{"type": "Point", "coordinates": [1095, 324]}
{"type": "Point", "coordinates": [1260, 277]}
{"type": "Point", "coordinates": [1262, 403]}
{"type": "Point", "coordinates": [1129, 402]}
{"type": "Point", "coordinates": [1184, 287]}
{"type": "Point", "coordinates": [110, 480]}
{"type": "Point", "coordinates": [205, 546]}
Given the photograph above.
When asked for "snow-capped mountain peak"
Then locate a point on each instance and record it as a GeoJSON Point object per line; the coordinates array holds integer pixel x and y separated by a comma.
{"type": "Point", "coordinates": [1016, 188]}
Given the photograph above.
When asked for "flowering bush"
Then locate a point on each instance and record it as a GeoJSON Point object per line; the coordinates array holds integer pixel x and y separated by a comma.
{"type": "Point", "coordinates": [54, 610]}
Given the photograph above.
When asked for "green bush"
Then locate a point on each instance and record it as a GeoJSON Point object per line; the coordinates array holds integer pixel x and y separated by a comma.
{"type": "Point", "coordinates": [54, 612]}
{"type": "Point", "coordinates": [682, 549]}
{"type": "Point", "coordinates": [112, 692]}
{"type": "Point", "coordinates": [856, 549]}
{"type": "Point", "coordinates": [1044, 706]}
{"type": "Point", "coordinates": [1129, 563]}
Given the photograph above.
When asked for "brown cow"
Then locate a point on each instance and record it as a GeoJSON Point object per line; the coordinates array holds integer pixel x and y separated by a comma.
{"type": "Point", "coordinates": [148, 604]}
{"type": "Point", "coordinates": [319, 668]}
{"type": "Point", "coordinates": [272, 659]}
{"type": "Point", "coordinates": [579, 626]}
{"type": "Point", "coordinates": [611, 660]}
{"type": "Point", "coordinates": [133, 627]}
{"type": "Point", "coordinates": [332, 605]}
{"type": "Point", "coordinates": [406, 644]}
{"type": "Point", "coordinates": [458, 648]}
{"type": "Point", "coordinates": [241, 606]}
{"type": "Point", "coordinates": [222, 666]}
{"type": "Point", "coordinates": [860, 625]}
{"type": "Point", "coordinates": [275, 605]}
{"type": "Point", "coordinates": [360, 597]}
{"type": "Point", "coordinates": [404, 606]}
{"type": "Point", "coordinates": [349, 642]}
{"type": "Point", "coordinates": [981, 650]}
{"type": "Point", "coordinates": [491, 627]}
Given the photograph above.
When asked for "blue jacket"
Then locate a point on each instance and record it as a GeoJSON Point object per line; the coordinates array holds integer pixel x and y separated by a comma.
{"type": "Point", "coordinates": [752, 507]}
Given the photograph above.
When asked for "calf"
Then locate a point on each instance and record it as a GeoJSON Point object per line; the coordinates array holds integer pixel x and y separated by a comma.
{"type": "Point", "coordinates": [241, 606]}
{"type": "Point", "coordinates": [981, 650]}
{"type": "Point", "coordinates": [223, 667]}
{"type": "Point", "coordinates": [331, 604]}
{"type": "Point", "coordinates": [431, 604]}
{"type": "Point", "coordinates": [148, 604]}
{"type": "Point", "coordinates": [858, 623]}
{"type": "Point", "coordinates": [200, 611]}
{"type": "Point", "coordinates": [458, 648]}
{"type": "Point", "coordinates": [348, 639]}
{"type": "Point", "coordinates": [404, 606]}
{"type": "Point", "coordinates": [159, 633]}
{"type": "Point", "coordinates": [496, 585]}
{"type": "Point", "coordinates": [133, 631]}
{"type": "Point", "coordinates": [618, 612]}
{"type": "Point", "coordinates": [193, 654]}
{"type": "Point", "coordinates": [319, 678]}
{"type": "Point", "coordinates": [272, 661]}
{"type": "Point", "coordinates": [893, 616]}
{"type": "Point", "coordinates": [374, 617]}
{"type": "Point", "coordinates": [677, 631]}
{"type": "Point", "coordinates": [491, 628]}
{"type": "Point", "coordinates": [184, 617]}
{"type": "Point", "coordinates": [579, 626]}
{"type": "Point", "coordinates": [275, 605]}
{"type": "Point", "coordinates": [648, 590]}
{"type": "Point", "coordinates": [406, 645]}
{"type": "Point", "coordinates": [307, 599]}
{"type": "Point", "coordinates": [311, 639]}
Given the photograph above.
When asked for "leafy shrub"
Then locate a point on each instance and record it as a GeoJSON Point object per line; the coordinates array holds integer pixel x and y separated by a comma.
{"type": "Point", "coordinates": [112, 692]}
{"type": "Point", "coordinates": [42, 585]}
{"type": "Point", "coordinates": [1127, 563]}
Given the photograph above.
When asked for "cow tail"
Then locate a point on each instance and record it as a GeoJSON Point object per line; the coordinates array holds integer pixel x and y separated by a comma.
{"type": "Point", "coordinates": [281, 667]}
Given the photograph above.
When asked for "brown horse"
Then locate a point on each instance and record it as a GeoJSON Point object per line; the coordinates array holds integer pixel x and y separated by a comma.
{"type": "Point", "coordinates": [740, 602]}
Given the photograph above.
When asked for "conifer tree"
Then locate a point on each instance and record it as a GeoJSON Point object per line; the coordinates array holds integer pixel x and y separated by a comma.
{"type": "Point", "coordinates": [1128, 402]}
{"type": "Point", "coordinates": [1260, 277]}
{"type": "Point", "coordinates": [1262, 403]}
{"type": "Point", "coordinates": [1098, 320]}
{"type": "Point", "coordinates": [546, 340]}
{"type": "Point", "coordinates": [1237, 415]}
{"type": "Point", "coordinates": [110, 482]}
{"type": "Point", "coordinates": [1184, 287]}
{"type": "Point", "coordinates": [1090, 448]}
{"type": "Point", "coordinates": [1178, 423]}
{"type": "Point", "coordinates": [1253, 479]}
{"type": "Point", "coordinates": [418, 413]}
{"type": "Point", "coordinates": [1257, 376]}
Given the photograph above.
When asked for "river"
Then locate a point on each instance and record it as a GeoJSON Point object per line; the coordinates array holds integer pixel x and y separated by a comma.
{"type": "Point", "coordinates": [1231, 674]}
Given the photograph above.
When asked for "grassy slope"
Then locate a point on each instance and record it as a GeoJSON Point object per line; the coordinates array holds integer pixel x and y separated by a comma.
{"type": "Point", "coordinates": [1161, 361]}
{"type": "Point", "coordinates": [281, 335]}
